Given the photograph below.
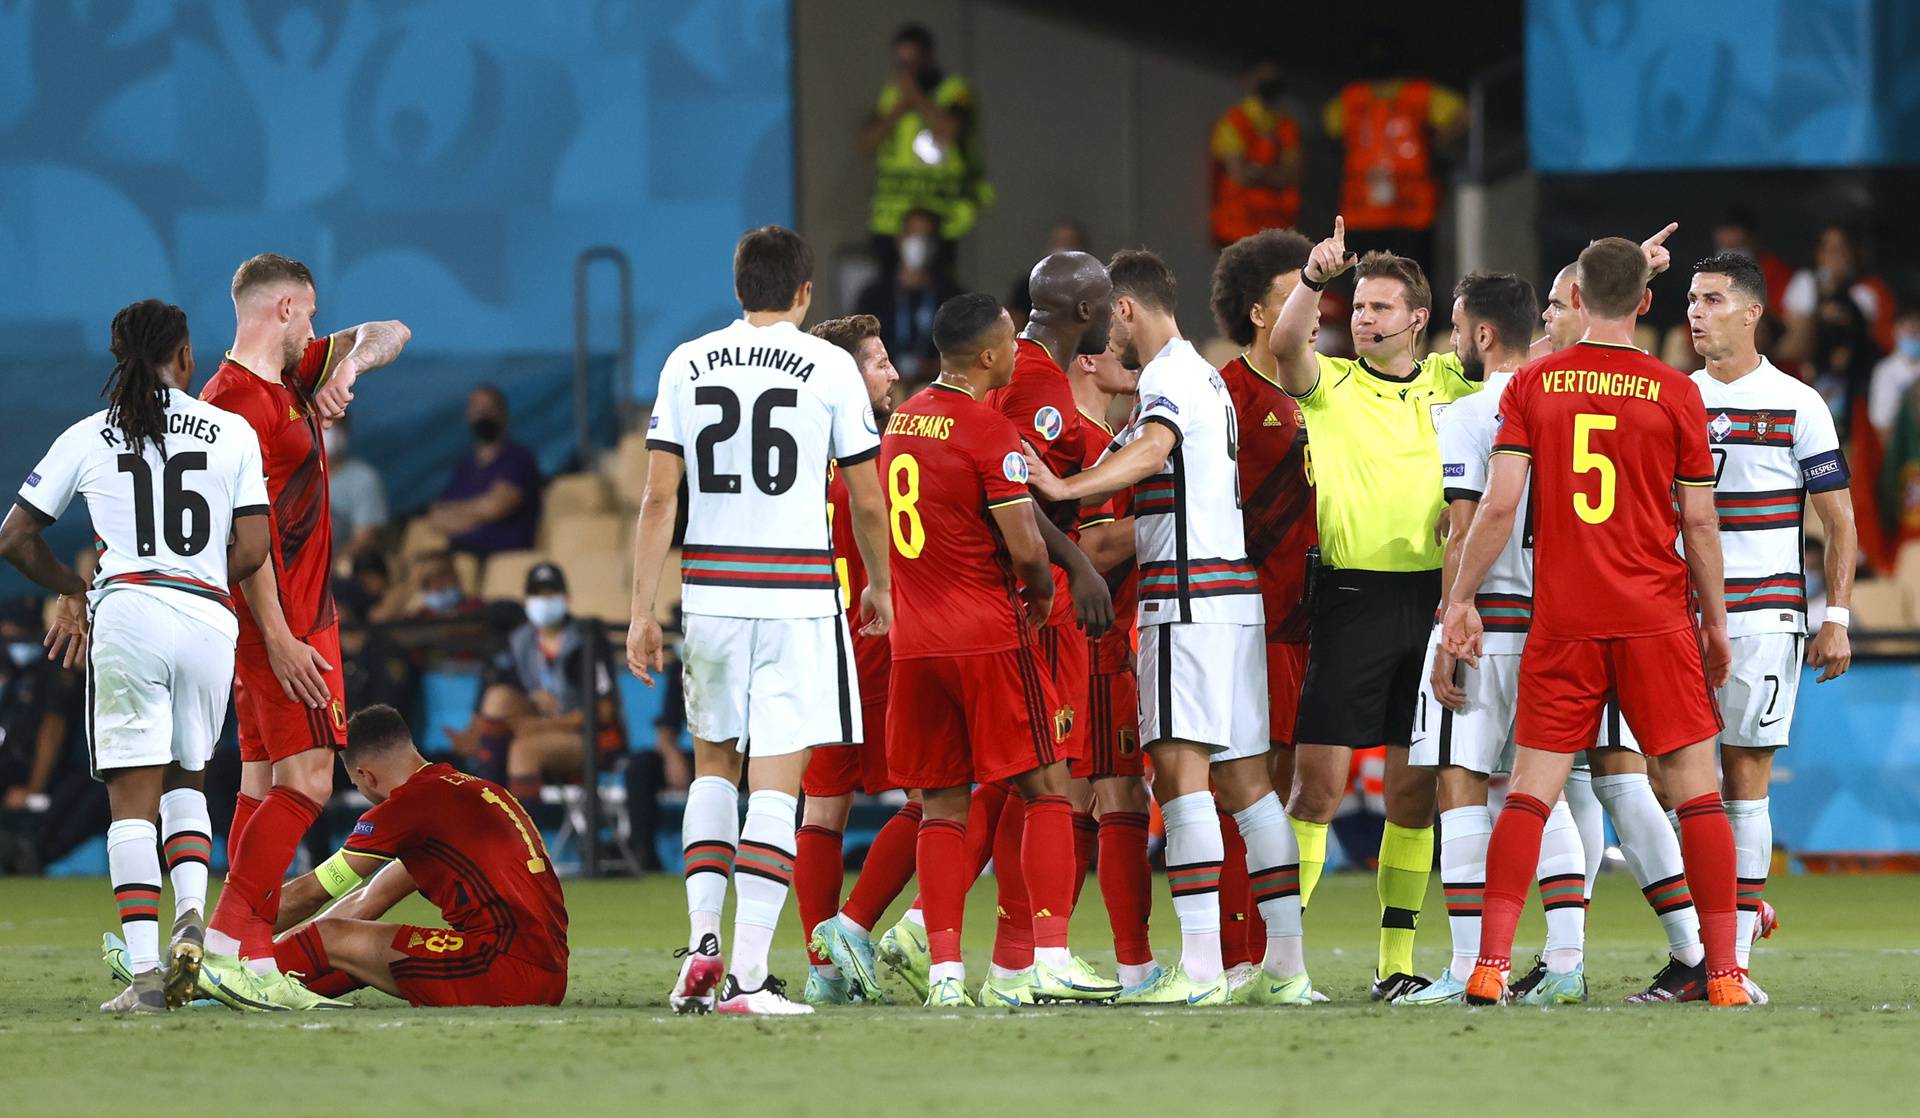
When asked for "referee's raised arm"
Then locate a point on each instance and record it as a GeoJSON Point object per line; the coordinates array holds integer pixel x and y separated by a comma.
{"type": "Point", "coordinates": [1291, 339]}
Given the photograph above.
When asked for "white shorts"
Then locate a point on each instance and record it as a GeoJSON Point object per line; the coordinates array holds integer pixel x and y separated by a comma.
{"type": "Point", "coordinates": [1205, 682]}
{"type": "Point", "coordinates": [158, 681]}
{"type": "Point", "coordinates": [1480, 738]}
{"type": "Point", "coordinates": [783, 684]}
{"type": "Point", "coordinates": [1757, 702]}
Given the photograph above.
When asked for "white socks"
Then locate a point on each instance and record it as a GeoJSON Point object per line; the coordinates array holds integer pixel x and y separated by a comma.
{"type": "Point", "coordinates": [709, 832]}
{"type": "Point", "coordinates": [1563, 890]}
{"type": "Point", "coordinates": [1590, 818]}
{"type": "Point", "coordinates": [133, 859]}
{"type": "Point", "coordinates": [1653, 854]}
{"type": "Point", "coordinates": [762, 874]}
{"type": "Point", "coordinates": [1464, 834]}
{"type": "Point", "coordinates": [188, 832]}
{"type": "Point", "coordinates": [1273, 869]}
{"type": "Point", "coordinates": [1752, 858]}
{"type": "Point", "coordinates": [1194, 853]}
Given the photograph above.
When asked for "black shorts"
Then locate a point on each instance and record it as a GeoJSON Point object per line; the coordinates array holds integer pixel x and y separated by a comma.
{"type": "Point", "coordinates": [1370, 632]}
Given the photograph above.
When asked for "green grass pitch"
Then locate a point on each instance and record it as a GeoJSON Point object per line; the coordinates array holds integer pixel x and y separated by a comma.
{"type": "Point", "coordinates": [1840, 1036]}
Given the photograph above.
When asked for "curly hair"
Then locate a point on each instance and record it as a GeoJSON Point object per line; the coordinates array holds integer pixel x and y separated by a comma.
{"type": "Point", "coordinates": [145, 335]}
{"type": "Point", "coordinates": [1245, 272]}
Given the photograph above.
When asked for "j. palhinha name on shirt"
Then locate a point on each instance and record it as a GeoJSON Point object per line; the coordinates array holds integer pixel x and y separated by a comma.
{"type": "Point", "coordinates": [761, 357]}
{"type": "Point", "coordinates": [178, 423]}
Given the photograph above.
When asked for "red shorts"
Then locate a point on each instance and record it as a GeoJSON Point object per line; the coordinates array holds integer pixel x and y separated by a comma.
{"type": "Point", "coordinates": [1660, 682]}
{"type": "Point", "coordinates": [839, 770]}
{"type": "Point", "coordinates": [1067, 659]}
{"type": "Point", "coordinates": [956, 720]}
{"type": "Point", "coordinates": [1286, 674]}
{"type": "Point", "coordinates": [444, 966]}
{"type": "Point", "coordinates": [1113, 727]}
{"type": "Point", "coordinates": [274, 727]}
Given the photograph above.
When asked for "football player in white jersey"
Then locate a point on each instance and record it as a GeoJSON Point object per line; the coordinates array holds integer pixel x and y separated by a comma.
{"type": "Point", "coordinates": [178, 500]}
{"type": "Point", "coordinates": [1202, 653]}
{"type": "Point", "coordinates": [1773, 445]}
{"type": "Point", "coordinates": [751, 414]}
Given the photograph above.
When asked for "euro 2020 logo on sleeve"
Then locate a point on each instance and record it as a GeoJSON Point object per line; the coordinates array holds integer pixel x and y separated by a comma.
{"type": "Point", "coordinates": [1014, 466]}
{"type": "Point", "coordinates": [1720, 427]}
{"type": "Point", "coordinates": [1047, 421]}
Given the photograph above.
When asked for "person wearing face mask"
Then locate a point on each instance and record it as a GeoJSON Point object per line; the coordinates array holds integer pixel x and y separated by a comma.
{"type": "Point", "coordinates": [1896, 374]}
{"type": "Point", "coordinates": [532, 706]}
{"type": "Point", "coordinates": [359, 496]}
{"type": "Point", "coordinates": [492, 501]}
{"type": "Point", "coordinates": [924, 139]}
{"type": "Point", "coordinates": [906, 301]}
{"type": "Point", "coordinates": [1838, 272]}
{"type": "Point", "coordinates": [1256, 160]}
{"type": "Point", "coordinates": [437, 592]}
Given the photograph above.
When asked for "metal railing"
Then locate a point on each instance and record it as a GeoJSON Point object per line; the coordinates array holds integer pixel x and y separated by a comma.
{"type": "Point", "coordinates": [623, 399]}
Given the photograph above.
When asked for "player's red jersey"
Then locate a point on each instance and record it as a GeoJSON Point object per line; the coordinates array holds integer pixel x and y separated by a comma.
{"type": "Point", "coordinates": [1276, 496]}
{"type": "Point", "coordinates": [282, 416]}
{"type": "Point", "coordinates": [872, 656]}
{"type": "Point", "coordinates": [1039, 402]}
{"type": "Point", "coordinates": [477, 855]}
{"type": "Point", "coordinates": [947, 461]}
{"type": "Point", "coordinates": [1112, 650]}
{"type": "Point", "coordinates": [1610, 431]}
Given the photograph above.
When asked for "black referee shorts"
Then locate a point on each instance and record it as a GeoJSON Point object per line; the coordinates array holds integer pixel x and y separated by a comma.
{"type": "Point", "coordinates": [1370, 632]}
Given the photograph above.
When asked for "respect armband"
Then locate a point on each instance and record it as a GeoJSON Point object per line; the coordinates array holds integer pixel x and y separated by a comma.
{"type": "Point", "coordinates": [336, 876]}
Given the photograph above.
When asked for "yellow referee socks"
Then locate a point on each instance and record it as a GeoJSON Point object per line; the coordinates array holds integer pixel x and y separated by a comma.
{"type": "Point", "coordinates": [1312, 838]}
{"type": "Point", "coordinates": [1406, 861]}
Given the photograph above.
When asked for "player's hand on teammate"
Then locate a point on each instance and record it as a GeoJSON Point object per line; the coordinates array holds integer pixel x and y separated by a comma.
{"type": "Point", "coordinates": [646, 645]}
{"type": "Point", "coordinates": [1092, 600]}
{"type": "Point", "coordinates": [301, 670]}
{"type": "Point", "coordinates": [1659, 257]}
{"type": "Point", "coordinates": [876, 612]}
{"type": "Point", "coordinates": [1449, 693]}
{"type": "Point", "coordinates": [1831, 650]}
{"type": "Point", "coordinates": [332, 399]}
{"type": "Point", "coordinates": [1330, 257]}
{"type": "Point", "coordinates": [1719, 655]}
{"type": "Point", "coordinates": [1040, 476]}
{"type": "Point", "coordinates": [1460, 633]}
{"type": "Point", "coordinates": [66, 638]}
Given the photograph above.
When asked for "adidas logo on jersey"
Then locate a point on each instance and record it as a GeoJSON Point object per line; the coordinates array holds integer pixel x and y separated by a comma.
{"type": "Point", "coordinates": [1271, 420]}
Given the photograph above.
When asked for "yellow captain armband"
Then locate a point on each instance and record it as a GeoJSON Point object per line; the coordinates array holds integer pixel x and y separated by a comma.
{"type": "Point", "coordinates": [336, 876]}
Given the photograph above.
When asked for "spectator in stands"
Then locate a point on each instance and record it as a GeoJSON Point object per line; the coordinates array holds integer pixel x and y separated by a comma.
{"type": "Point", "coordinates": [533, 706]}
{"type": "Point", "coordinates": [924, 139]}
{"type": "Point", "coordinates": [1065, 236]}
{"type": "Point", "coordinates": [1255, 149]}
{"type": "Point", "coordinates": [359, 496]}
{"type": "Point", "coordinates": [437, 593]}
{"type": "Point", "coordinates": [1837, 271]}
{"type": "Point", "coordinates": [1389, 127]}
{"type": "Point", "coordinates": [1843, 354]}
{"type": "Point", "coordinates": [492, 501]}
{"type": "Point", "coordinates": [904, 302]}
{"type": "Point", "coordinates": [1739, 231]}
{"type": "Point", "coordinates": [43, 763]}
{"type": "Point", "coordinates": [378, 671]}
{"type": "Point", "coordinates": [1896, 374]}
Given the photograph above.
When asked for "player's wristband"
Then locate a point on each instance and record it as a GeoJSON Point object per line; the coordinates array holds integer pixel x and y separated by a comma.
{"type": "Point", "coordinates": [1839, 615]}
{"type": "Point", "coordinates": [1309, 281]}
{"type": "Point", "coordinates": [336, 876]}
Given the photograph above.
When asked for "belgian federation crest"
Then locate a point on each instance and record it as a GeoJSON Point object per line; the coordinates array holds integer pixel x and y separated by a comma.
{"type": "Point", "coordinates": [1062, 723]}
{"type": "Point", "coordinates": [1720, 427]}
{"type": "Point", "coordinates": [1048, 422]}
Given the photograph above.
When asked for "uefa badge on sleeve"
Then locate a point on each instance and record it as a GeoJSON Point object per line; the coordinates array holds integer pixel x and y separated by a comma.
{"type": "Point", "coordinates": [1720, 427]}
{"type": "Point", "coordinates": [1048, 422]}
{"type": "Point", "coordinates": [1014, 467]}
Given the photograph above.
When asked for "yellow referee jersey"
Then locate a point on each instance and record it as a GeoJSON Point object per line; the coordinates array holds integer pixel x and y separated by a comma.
{"type": "Point", "coordinates": [1375, 460]}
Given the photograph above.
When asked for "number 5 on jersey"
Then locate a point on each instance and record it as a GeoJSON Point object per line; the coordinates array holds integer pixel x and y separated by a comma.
{"type": "Point", "coordinates": [1597, 509]}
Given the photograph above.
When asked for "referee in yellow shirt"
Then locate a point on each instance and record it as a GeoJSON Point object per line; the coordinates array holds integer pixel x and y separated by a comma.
{"type": "Point", "coordinates": [1376, 470]}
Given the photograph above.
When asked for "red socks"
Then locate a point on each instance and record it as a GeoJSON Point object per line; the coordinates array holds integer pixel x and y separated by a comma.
{"type": "Point", "coordinates": [1126, 883]}
{"type": "Point", "coordinates": [1086, 842]}
{"type": "Point", "coordinates": [243, 808]}
{"type": "Point", "coordinates": [888, 867]}
{"type": "Point", "coordinates": [1513, 853]}
{"type": "Point", "coordinates": [1236, 897]}
{"type": "Point", "coordinates": [1047, 857]}
{"type": "Point", "coordinates": [1013, 935]}
{"type": "Point", "coordinates": [983, 824]}
{"type": "Point", "coordinates": [251, 899]}
{"type": "Point", "coordinates": [1706, 846]}
{"type": "Point", "coordinates": [819, 871]}
{"type": "Point", "coordinates": [941, 854]}
{"type": "Point", "coordinates": [304, 954]}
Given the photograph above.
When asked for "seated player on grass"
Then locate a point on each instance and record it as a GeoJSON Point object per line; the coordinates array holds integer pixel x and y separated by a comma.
{"type": "Point", "coordinates": [463, 843]}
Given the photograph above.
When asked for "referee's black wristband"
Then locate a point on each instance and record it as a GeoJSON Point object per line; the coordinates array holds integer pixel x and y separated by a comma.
{"type": "Point", "coordinates": [1308, 281]}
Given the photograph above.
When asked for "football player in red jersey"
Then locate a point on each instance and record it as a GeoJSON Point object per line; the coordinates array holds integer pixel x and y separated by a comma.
{"type": "Point", "coordinates": [1251, 282]}
{"type": "Point", "coordinates": [463, 843]}
{"type": "Point", "coordinates": [289, 689]}
{"type": "Point", "coordinates": [1614, 433]}
{"type": "Point", "coordinates": [841, 967]}
{"type": "Point", "coordinates": [968, 700]}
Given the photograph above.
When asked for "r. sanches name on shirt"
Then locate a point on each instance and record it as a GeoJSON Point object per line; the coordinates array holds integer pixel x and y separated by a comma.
{"type": "Point", "coordinates": [178, 423]}
{"type": "Point", "coordinates": [762, 357]}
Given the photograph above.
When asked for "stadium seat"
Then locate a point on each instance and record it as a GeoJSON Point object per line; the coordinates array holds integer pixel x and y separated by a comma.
{"type": "Point", "coordinates": [421, 537]}
{"type": "Point", "coordinates": [571, 494]}
{"type": "Point", "coordinates": [599, 585]}
{"type": "Point", "coordinates": [584, 534]}
{"type": "Point", "coordinates": [505, 578]}
{"type": "Point", "coordinates": [630, 469]}
{"type": "Point", "coordinates": [1906, 567]}
{"type": "Point", "coordinates": [466, 568]}
{"type": "Point", "coordinates": [1881, 603]}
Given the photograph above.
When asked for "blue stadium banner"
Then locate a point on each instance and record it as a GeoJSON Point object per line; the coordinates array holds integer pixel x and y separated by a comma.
{"type": "Point", "coordinates": [1850, 782]}
{"type": "Point", "coordinates": [1650, 85]}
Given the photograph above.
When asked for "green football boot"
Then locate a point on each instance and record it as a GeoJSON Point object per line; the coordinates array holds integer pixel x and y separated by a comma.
{"type": "Point", "coordinates": [1265, 989]}
{"type": "Point", "coordinates": [286, 991]}
{"type": "Point", "coordinates": [821, 990]}
{"type": "Point", "coordinates": [1445, 990]}
{"type": "Point", "coordinates": [226, 979]}
{"type": "Point", "coordinates": [1559, 988]}
{"type": "Point", "coordinates": [1077, 982]}
{"type": "Point", "coordinates": [903, 948]}
{"type": "Point", "coordinates": [113, 952]}
{"type": "Point", "coordinates": [853, 954]}
{"type": "Point", "coordinates": [949, 993]}
{"type": "Point", "coordinates": [1173, 987]}
{"type": "Point", "coordinates": [1008, 993]}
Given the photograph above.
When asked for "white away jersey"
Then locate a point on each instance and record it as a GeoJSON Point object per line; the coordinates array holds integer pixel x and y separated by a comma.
{"type": "Point", "coordinates": [1773, 442]}
{"type": "Point", "coordinates": [1187, 527]}
{"type": "Point", "coordinates": [757, 412]}
{"type": "Point", "coordinates": [1467, 428]}
{"type": "Point", "coordinates": [163, 520]}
